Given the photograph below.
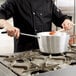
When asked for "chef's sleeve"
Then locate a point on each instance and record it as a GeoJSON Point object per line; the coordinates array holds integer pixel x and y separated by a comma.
{"type": "Point", "coordinates": [7, 9]}
{"type": "Point", "coordinates": [57, 16]}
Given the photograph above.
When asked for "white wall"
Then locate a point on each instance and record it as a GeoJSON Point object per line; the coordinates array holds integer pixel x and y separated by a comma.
{"type": "Point", "coordinates": [65, 3]}
{"type": "Point", "coordinates": [6, 44]}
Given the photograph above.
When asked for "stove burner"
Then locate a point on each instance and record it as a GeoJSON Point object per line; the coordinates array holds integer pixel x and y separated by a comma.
{"type": "Point", "coordinates": [20, 61]}
{"type": "Point", "coordinates": [33, 62]}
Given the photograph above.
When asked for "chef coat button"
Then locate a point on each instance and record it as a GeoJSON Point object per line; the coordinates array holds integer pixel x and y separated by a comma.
{"type": "Point", "coordinates": [35, 30]}
{"type": "Point", "coordinates": [40, 14]}
{"type": "Point", "coordinates": [33, 13]}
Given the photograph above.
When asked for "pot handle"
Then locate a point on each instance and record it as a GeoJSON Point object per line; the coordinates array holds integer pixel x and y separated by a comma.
{"type": "Point", "coordinates": [29, 35]}
{"type": "Point", "coordinates": [35, 36]}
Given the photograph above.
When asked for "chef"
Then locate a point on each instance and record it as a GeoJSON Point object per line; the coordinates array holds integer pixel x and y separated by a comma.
{"type": "Point", "coordinates": [31, 17]}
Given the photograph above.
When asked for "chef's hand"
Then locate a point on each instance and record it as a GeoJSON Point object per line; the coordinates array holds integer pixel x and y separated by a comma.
{"type": "Point", "coordinates": [67, 24]}
{"type": "Point", "coordinates": [11, 30]}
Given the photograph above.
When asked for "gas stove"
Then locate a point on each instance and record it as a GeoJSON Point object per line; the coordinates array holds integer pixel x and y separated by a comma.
{"type": "Point", "coordinates": [33, 62]}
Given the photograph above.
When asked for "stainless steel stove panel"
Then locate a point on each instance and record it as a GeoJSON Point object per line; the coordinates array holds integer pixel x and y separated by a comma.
{"type": "Point", "coordinates": [4, 71]}
{"type": "Point", "coordinates": [69, 71]}
{"type": "Point", "coordinates": [32, 63]}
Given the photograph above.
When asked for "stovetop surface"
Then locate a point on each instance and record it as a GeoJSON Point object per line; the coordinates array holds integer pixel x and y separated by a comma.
{"type": "Point", "coordinates": [33, 62]}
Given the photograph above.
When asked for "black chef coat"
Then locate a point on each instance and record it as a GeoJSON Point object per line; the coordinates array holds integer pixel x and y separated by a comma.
{"type": "Point", "coordinates": [31, 16]}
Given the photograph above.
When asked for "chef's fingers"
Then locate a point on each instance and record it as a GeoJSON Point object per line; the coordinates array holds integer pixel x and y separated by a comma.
{"type": "Point", "coordinates": [17, 33]}
{"type": "Point", "coordinates": [10, 33]}
{"type": "Point", "coordinates": [67, 24]}
{"type": "Point", "coordinates": [14, 32]}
